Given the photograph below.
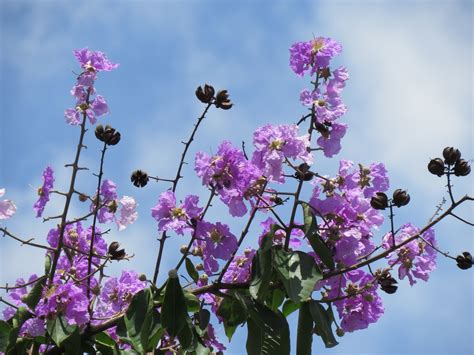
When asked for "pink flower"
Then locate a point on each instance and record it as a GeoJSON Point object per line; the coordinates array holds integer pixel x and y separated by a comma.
{"type": "Point", "coordinates": [7, 207]}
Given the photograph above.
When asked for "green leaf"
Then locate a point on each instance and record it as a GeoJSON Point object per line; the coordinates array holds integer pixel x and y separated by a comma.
{"type": "Point", "coordinates": [156, 332]}
{"type": "Point", "coordinates": [277, 298]}
{"type": "Point", "coordinates": [47, 264]}
{"type": "Point", "coordinates": [289, 307]}
{"type": "Point", "coordinates": [304, 338]}
{"type": "Point", "coordinates": [204, 317]}
{"type": "Point", "coordinates": [191, 270]}
{"type": "Point", "coordinates": [187, 337]}
{"type": "Point", "coordinates": [33, 297]}
{"type": "Point", "coordinates": [138, 319]}
{"type": "Point", "coordinates": [20, 317]}
{"type": "Point", "coordinates": [5, 330]}
{"type": "Point", "coordinates": [298, 273]}
{"type": "Point", "coordinates": [174, 313]}
{"type": "Point", "coordinates": [268, 331]}
{"type": "Point", "coordinates": [233, 313]}
{"type": "Point", "coordinates": [105, 344]}
{"type": "Point", "coordinates": [192, 302]}
{"type": "Point", "coordinates": [60, 331]}
{"type": "Point", "coordinates": [322, 324]}
{"type": "Point", "coordinates": [311, 233]}
{"type": "Point", "coordinates": [261, 274]}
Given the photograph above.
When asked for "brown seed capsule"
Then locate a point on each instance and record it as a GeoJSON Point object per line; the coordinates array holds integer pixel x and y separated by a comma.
{"type": "Point", "coordinates": [451, 155]}
{"type": "Point", "coordinates": [388, 283]}
{"type": "Point", "coordinates": [99, 132]}
{"type": "Point", "coordinates": [111, 136]}
{"type": "Point", "coordinates": [464, 261]}
{"type": "Point", "coordinates": [222, 100]}
{"type": "Point", "coordinates": [206, 94]}
{"type": "Point", "coordinates": [139, 178]}
{"type": "Point", "coordinates": [113, 247]}
{"type": "Point", "coordinates": [116, 253]}
{"type": "Point", "coordinates": [303, 172]}
{"type": "Point", "coordinates": [462, 168]}
{"type": "Point", "coordinates": [83, 197]}
{"type": "Point", "coordinates": [400, 198]}
{"type": "Point", "coordinates": [436, 166]}
{"type": "Point", "coordinates": [325, 73]}
{"type": "Point", "coordinates": [379, 201]}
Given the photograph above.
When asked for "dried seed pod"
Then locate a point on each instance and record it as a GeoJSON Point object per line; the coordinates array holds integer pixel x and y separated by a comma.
{"type": "Point", "coordinates": [222, 100]}
{"type": "Point", "coordinates": [462, 168]}
{"type": "Point", "coordinates": [379, 201]}
{"type": "Point", "coordinates": [464, 261]}
{"type": "Point", "coordinates": [451, 155]}
{"type": "Point", "coordinates": [139, 178]}
{"type": "Point", "coordinates": [400, 198]}
{"type": "Point", "coordinates": [206, 94]}
{"type": "Point", "coordinates": [388, 283]}
{"type": "Point", "coordinates": [436, 167]}
{"type": "Point", "coordinates": [303, 172]}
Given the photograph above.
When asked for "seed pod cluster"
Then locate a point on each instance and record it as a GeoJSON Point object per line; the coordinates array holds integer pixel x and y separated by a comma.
{"type": "Point", "coordinates": [464, 261]}
{"type": "Point", "coordinates": [139, 178]}
{"type": "Point", "coordinates": [107, 134]}
{"type": "Point", "coordinates": [452, 162]}
{"type": "Point", "coordinates": [205, 94]}
{"type": "Point", "coordinates": [379, 201]}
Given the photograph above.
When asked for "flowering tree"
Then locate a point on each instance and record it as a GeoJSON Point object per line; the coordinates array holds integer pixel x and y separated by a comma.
{"type": "Point", "coordinates": [319, 251]}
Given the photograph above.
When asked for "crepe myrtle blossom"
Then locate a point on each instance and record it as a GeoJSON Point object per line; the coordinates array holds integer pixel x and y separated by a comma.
{"type": "Point", "coordinates": [65, 299]}
{"type": "Point", "coordinates": [415, 259]}
{"type": "Point", "coordinates": [94, 60]}
{"type": "Point", "coordinates": [176, 218]}
{"type": "Point", "coordinates": [95, 108]}
{"type": "Point", "coordinates": [7, 207]}
{"type": "Point", "coordinates": [275, 143]}
{"type": "Point", "coordinates": [16, 295]}
{"type": "Point", "coordinates": [315, 54]}
{"type": "Point", "coordinates": [44, 191]}
{"type": "Point", "coordinates": [371, 179]}
{"type": "Point", "coordinates": [280, 235]}
{"type": "Point", "coordinates": [230, 173]}
{"type": "Point", "coordinates": [216, 242]}
{"type": "Point", "coordinates": [240, 268]}
{"type": "Point", "coordinates": [128, 212]}
{"type": "Point", "coordinates": [363, 308]}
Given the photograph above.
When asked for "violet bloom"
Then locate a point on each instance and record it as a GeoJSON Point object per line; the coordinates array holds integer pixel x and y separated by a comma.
{"type": "Point", "coordinates": [175, 218]}
{"type": "Point", "coordinates": [363, 308]}
{"type": "Point", "coordinates": [416, 259]}
{"type": "Point", "coordinates": [331, 140]}
{"type": "Point", "coordinates": [7, 207]}
{"type": "Point", "coordinates": [230, 174]}
{"type": "Point", "coordinates": [94, 60]}
{"type": "Point", "coordinates": [240, 268]}
{"type": "Point", "coordinates": [33, 327]}
{"type": "Point", "coordinates": [314, 54]}
{"type": "Point", "coordinates": [66, 299]}
{"type": "Point", "coordinates": [128, 212]}
{"type": "Point", "coordinates": [216, 242]}
{"type": "Point", "coordinates": [16, 296]}
{"type": "Point", "coordinates": [280, 235]}
{"type": "Point", "coordinates": [274, 144]}
{"type": "Point", "coordinates": [96, 108]}
{"type": "Point", "coordinates": [210, 340]}
{"type": "Point", "coordinates": [44, 191]}
{"type": "Point", "coordinates": [107, 198]}
{"type": "Point", "coordinates": [327, 108]}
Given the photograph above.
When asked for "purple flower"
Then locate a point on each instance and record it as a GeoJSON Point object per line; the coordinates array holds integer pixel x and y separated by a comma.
{"type": "Point", "coordinates": [216, 242]}
{"type": "Point", "coordinates": [94, 61]}
{"type": "Point", "coordinates": [240, 268]}
{"type": "Point", "coordinates": [314, 54]}
{"type": "Point", "coordinates": [230, 174]}
{"type": "Point", "coordinates": [33, 327]}
{"type": "Point", "coordinates": [66, 299]}
{"type": "Point", "coordinates": [107, 198]}
{"type": "Point", "coordinates": [274, 144]}
{"type": "Point", "coordinates": [128, 212]}
{"type": "Point", "coordinates": [176, 218]}
{"type": "Point", "coordinates": [7, 207]}
{"type": "Point", "coordinates": [417, 258]}
{"type": "Point", "coordinates": [96, 108]}
{"type": "Point", "coordinates": [331, 140]}
{"type": "Point", "coordinates": [280, 235]}
{"type": "Point", "coordinates": [210, 340]}
{"type": "Point", "coordinates": [43, 191]}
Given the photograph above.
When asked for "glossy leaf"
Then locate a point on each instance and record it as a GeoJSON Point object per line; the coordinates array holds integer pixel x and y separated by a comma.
{"type": "Point", "coordinates": [298, 273]}
{"type": "Point", "coordinates": [5, 330]}
{"type": "Point", "coordinates": [60, 331]}
{"type": "Point", "coordinates": [322, 324]}
{"type": "Point", "coordinates": [191, 270]}
{"type": "Point", "coordinates": [174, 313]}
{"type": "Point", "coordinates": [233, 313]}
{"type": "Point", "coordinates": [289, 307]}
{"type": "Point", "coordinates": [304, 338]}
{"type": "Point", "coordinates": [33, 297]}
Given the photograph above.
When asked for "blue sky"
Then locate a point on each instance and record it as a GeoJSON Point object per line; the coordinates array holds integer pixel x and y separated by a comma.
{"type": "Point", "coordinates": [410, 95]}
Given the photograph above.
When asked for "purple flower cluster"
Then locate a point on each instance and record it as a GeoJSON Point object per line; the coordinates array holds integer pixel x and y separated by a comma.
{"type": "Point", "coordinates": [108, 198]}
{"type": "Point", "coordinates": [7, 207]}
{"type": "Point", "coordinates": [215, 242]}
{"type": "Point", "coordinates": [362, 307]}
{"type": "Point", "coordinates": [44, 191]}
{"type": "Point", "coordinates": [415, 259]}
{"type": "Point", "coordinates": [274, 144]}
{"type": "Point", "coordinates": [240, 268]}
{"type": "Point", "coordinates": [88, 104]}
{"type": "Point", "coordinates": [313, 55]}
{"type": "Point", "coordinates": [344, 204]}
{"type": "Point", "coordinates": [230, 173]}
{"type": "Point", "coordinates": [175, 218]}
{"type": "Point", "coordinates": [280, 235]}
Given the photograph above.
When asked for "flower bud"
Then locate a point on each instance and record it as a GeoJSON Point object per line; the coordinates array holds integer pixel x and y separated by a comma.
{"type": "Point", "coordinates": [400, 198]}
{"type": "Point", "coordinates": [199, 267]}
{"type": "Point", "coordinates": [183, 249]}
{"type": "Point", "coordinates": [436, 167]}
{"type": "Point", "coordinates": [197, 252]}
{"type": "Point", "coordinates": [464, 261]}
{"type": "Point", "coordinates": [142, 277]}
{"type": "Point", "coordinates": [379, 201]}
{"type": "Point", "coordinates": [462, 168]}
{"type": "Point", "coordinates": [96, 290]}
{"type": "Point", "coordinates": [173, 274]}
{"type": "Point", "coordinates": [204, 278]}
{"type": "Point", "coordinates": [83, 197]}
{"type": "Point", "coordinates": [451, 155]}
{"type": "Point", "coordinates": [339, 332]}
{"type": "Point", "coordinates": [222, 100]}
{"type": "Point", "coordinates": [206, 94]}
{"type": "Point", "coordinates": [139, 178]}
